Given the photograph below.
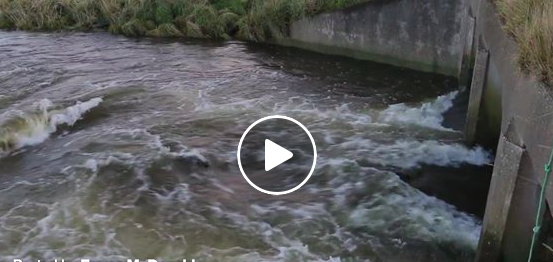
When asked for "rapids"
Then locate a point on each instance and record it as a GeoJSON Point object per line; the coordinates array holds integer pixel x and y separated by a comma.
{"type": "Point", "coordinates": [116, 148]}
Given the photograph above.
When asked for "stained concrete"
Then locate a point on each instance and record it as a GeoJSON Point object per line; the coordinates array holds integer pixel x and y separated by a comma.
{"type": "Point", "coordinates": [522, 107]}
{"type": "Point", "coordinates": [505, 173]}
{"type": "Point", "coordinates": [476, 91]}
{"type": "Point", "coordinates": [440, 36]}
{"type": "Point", "coordinates": [427, 35]}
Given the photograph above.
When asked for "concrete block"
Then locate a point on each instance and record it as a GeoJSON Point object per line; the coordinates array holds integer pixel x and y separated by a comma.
{"type": "Point", "coordinates": [504, 177]}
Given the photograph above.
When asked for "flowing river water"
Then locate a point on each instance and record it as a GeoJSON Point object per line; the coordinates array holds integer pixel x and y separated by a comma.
{"type": "Point", "coordinates": [114, 148]}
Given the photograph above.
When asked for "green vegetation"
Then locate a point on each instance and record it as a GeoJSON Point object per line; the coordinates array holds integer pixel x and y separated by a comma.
{"type": "Point", "coordinates": [531, 23]}
{"type": "Point", "coordinates": [255, 20]}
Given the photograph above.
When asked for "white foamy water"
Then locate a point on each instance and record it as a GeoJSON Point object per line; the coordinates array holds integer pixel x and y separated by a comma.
{"type": "Point", "coordinates": [412, 154]}
{"type": "Point", "coordinates": [34, 128]}
{"type": "Point", "coordinates": [429, 114]}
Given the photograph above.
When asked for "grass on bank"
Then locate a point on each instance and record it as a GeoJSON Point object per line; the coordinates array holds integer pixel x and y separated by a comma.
{"type": "Point", "coordinates": [531, 23]}
{"type": "Point", "coordinates": [255, 20]}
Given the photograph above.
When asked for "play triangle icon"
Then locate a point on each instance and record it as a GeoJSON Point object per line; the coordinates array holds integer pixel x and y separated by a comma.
{"type": "Point", "coordinates": [275, 155]}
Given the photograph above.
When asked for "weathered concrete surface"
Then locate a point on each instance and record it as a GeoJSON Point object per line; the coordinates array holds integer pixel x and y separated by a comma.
{"type": "Point", "coordinates": [440, 36]}
{"type": "Point", "coordinates": [467, 60]}
{"type": "Point", "coordinates": [476, 90]}
{"type": "Point", "coordinates": [505, 173]}
{"type": "Point", "coordinates": [425, 35]}
{"type": "Point", "coordinates": [523, 108]}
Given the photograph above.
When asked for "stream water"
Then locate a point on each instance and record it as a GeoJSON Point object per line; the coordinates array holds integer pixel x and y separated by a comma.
{"type": "Point", "coordinates": [114, 148]}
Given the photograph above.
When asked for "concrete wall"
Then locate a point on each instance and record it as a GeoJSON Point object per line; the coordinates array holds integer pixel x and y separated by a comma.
{"type": "Point", "coordinates": [425, 35]}
{"type": "Point", "coordinates": [523, 109]}
{"type": "Point", "coordinates": [514, 109]}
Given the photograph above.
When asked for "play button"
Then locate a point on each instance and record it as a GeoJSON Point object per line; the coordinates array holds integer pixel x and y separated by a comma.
{"type": "Point", "coordinates": [277, 155]}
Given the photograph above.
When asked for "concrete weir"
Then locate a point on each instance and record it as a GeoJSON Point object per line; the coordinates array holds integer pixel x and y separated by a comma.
{"type": "Point", "coordinates": [508, 109]}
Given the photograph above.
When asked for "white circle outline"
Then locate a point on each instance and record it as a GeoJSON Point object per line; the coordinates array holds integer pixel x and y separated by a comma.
{"type": "Point", "coordinates": [277, 193]}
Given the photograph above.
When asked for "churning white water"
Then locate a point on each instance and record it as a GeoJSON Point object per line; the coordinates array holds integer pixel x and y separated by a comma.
{"type": "Point", "coordinates": [429, 114]}
{"type": "Point", "coordinates": [21, 129]}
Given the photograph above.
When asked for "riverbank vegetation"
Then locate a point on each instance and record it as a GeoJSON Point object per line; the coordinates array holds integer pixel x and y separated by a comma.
{"type": "Point", "coordinates": [255, 20]}
{"type": "Point", "coordinates": [531, 23]}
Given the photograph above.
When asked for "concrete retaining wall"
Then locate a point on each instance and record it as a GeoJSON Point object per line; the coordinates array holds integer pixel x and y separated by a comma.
{"type": "Point", "coordinates": [523, 109]}
{"type": "Point", "coordinates": [516, 110]}
{"type": "Point", "coordinates": [425, 35]}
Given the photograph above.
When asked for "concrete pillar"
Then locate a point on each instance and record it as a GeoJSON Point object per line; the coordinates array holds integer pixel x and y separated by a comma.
{"type": "Point", "coordinates": [476, 91]}
{"type": "Point", "coordinates": [504, 178]}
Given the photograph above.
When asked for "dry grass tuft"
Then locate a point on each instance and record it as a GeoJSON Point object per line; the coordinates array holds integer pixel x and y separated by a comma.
{"type": "Point", "coordinates": [531, 23]}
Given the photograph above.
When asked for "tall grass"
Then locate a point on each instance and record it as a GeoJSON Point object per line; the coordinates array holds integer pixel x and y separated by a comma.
{"type": "Point", "coordinates": [531, 23]}
{"type": "Point", "coordinates": [255, 20]}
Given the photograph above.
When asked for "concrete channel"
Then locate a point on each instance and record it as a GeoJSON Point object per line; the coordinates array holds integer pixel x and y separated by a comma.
{"type": "Point", "coordinates": [508, 110]}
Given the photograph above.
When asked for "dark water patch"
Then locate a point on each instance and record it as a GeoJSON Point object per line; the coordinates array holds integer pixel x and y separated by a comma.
{"type": "Point", "coordinates": [465, 187]}
{"type": "Point", "coordinates": [346, 76]}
